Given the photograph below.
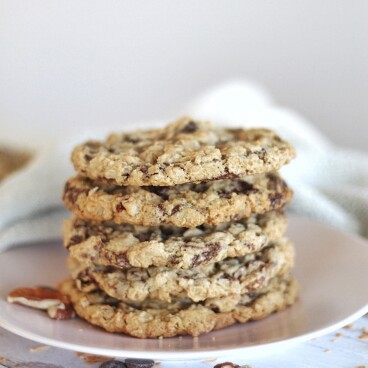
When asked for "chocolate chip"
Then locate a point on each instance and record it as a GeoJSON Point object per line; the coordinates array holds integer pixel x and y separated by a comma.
{"type": "Point", "coordinates": [121, 260]}
{"type": "Point", "coordinates": [275, 182]}
{"type": "Point", "coordinates": [76, 239]}
{"type": "Point", "coordinates": [86, 278]}
{"type": "Point", "coordinates": [240, 187]}
{"type": "Point", "coordinates": [71, 194]}
{"type": "Point", "coordinates": [131, 139]}
{"type": "Point", "coordinates": [175, 209]}
{"type": "Point", "coordinates": [166, 232]}
{"type": "Point", "coordinates": [144, 169]}
{"type": "Point", "coordinates": [236, 217]}
{"type": "Point", "coordinates": [226, 365]}
{"type": "Point", "coordinates": [106, 180]}
{"type": "Point", "coordinates": [88, 158]}
{"type": "Point", "coordinates": [253, 295]}
{"type": "Point", "coordinates": [226, 195]}
{"type": "Point", "coordinates": [275, 199]}
{"type": "Point", "coordinates": [190, 127]}
{"type": "Point", "coordinates": [113, 364]}
{"type": "Point", "coordinates": [143, 236]}
{"type": "Point", "coordinates": [262, 154]}
{"type": "Point", "coordinates": [244, 187]}
{"type": "Point", "coordinates": [160, 206]}
{"type": "Point", "coordinates": [271, 176]}
{"type": "Point", "coordinates": [160, 191]}
{"type": "Point", "coordinates": [139, 363]}
{"type": "Point", "coordinates": [228, 277]}
{"type": "Point", "coordinates": [195, 261]}
{"type": "Point", "coordinates": [201, 187]}
{"type": "Point", "coordinates": [225, 176]}
{"type": "Point", "coordinates": [212, 251]}
{"type": "Point", "coordinates": [119, 207]}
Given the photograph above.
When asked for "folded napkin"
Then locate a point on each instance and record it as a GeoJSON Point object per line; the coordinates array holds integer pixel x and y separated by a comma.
{"type": "Point", "coordinates": [330, 184]}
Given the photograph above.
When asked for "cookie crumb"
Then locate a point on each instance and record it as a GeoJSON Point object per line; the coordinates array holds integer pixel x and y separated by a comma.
{"type": "Point", "coordinates": [364, 334]}
{"type": "Point", "coordinates": [209, 361]}
{"type": "Point", "coordinates": [37, 349]}
{"type": "Point", "coordinates": [327, 350]}
{"type": "Point", "coordinates": [338, 335]}
{"type": "Point", "coordinates": [93, 359]}
{"type": "Point", "coordinates": [348, 327]}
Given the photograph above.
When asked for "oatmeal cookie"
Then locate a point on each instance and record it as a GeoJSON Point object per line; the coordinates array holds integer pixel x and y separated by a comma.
{"type": "Point", "coordinates": [151, 319]}
{"type": "Point", "coordinates": [185, 151]}
{"type": "Point", "coordinates": [185, 205]}
{"type": "Point", "coordinates": [231, 276]}
{"type": "Point", "coordinates": [127, 246]}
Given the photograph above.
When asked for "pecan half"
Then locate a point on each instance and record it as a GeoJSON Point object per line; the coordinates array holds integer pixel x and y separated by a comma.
{"type": "Point", "coordinates": [56, 304]}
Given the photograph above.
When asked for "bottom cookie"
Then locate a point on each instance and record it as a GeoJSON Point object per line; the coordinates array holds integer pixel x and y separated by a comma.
{"type": "Point", "coordinates": [150, 319]}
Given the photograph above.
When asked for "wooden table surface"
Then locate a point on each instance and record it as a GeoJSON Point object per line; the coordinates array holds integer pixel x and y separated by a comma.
{"type": "Point", "coordinates": [345, 348]}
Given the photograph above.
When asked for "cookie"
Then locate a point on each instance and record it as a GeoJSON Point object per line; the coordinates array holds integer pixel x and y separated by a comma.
{"type": "Point", "coordinates": [185, 151]}
{"type": "Point", "coordinates": [230, 276]}
{"type": "Point", "coordinates": [185, 205]}
{"type": "Point", "coordinates": [152, 319]}
{"type": "Point", "coordinates": [126, 246]}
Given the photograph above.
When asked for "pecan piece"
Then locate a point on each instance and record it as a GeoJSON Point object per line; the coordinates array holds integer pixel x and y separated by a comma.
{"type": "Point", "coordinates": [56, 304]}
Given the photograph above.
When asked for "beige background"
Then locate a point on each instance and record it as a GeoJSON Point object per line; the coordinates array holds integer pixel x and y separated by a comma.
{"type": "Point", "coordinates": [67, 64]}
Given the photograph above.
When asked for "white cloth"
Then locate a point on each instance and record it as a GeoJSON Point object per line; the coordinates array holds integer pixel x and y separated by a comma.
{"type": "Point", "coordinates": [330, 184]}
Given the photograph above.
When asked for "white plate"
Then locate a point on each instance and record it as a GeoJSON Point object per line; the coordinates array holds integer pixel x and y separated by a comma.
{"type": "Point", "coordinates": [331, 267]}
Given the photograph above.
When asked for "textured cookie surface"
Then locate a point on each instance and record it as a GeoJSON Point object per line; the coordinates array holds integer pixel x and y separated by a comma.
{"type": "Point", "coordinates": [153, 319]}
{"type": "Point", "coordinates": [126, 246]}
{"type": "Point", "coordinates": [186, 205]}
{"type": "Point", "coordinates": [183, 152]}
{"type": "Point", "coordinates": [232, 276]}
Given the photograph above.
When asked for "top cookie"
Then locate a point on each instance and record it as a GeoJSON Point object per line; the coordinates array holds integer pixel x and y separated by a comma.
{"type": "Point", "coordinates": [183, 152]}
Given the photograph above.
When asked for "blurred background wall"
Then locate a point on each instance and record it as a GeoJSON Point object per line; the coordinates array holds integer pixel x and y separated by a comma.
{"type": "Point", "coordinates": [71, 64]}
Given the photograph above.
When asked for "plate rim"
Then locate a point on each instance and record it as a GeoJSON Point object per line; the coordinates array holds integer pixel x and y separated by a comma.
{"type": "Point", "coordinates": [183, 355]}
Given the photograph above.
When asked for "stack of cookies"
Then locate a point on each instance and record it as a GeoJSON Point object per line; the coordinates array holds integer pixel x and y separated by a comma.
{"type": "Point", "coordinates": [179, 230]}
